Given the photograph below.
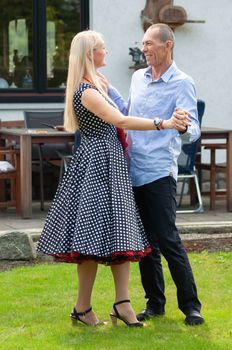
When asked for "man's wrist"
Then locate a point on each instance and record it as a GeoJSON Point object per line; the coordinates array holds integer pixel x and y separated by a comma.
{"type": "Point", "coordinates": [157, 122]}
{"type": "Point", "coordinates": [162, 125]}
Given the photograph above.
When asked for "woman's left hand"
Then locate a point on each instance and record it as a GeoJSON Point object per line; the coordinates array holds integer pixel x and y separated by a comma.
{"type": "Point", "coordinates": [103, 81]}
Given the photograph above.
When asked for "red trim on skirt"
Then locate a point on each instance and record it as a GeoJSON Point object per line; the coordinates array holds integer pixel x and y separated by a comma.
{"type": "Point", "coordinates": [115, 258]}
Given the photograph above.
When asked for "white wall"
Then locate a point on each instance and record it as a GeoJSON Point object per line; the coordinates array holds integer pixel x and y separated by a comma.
{"type": "Point", "coordinates": [14, 111]}
{"type": "Point", "coordinates": [205, 51]}
{"type": "Point", "coordinates": [202, 50]}
{"type": "Point", "coordinates": [119, 22]}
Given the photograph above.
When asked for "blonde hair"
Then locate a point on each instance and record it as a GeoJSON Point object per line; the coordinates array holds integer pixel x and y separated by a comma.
{"type": "Point", "coordinates": [80, 63]}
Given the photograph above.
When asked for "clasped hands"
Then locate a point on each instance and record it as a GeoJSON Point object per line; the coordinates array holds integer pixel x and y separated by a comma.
{"type": "Point", "coordinates": [179, 120]}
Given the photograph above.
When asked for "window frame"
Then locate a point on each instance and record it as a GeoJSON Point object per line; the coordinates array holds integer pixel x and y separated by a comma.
{"type": "Point", "coordinates": [41, 93]}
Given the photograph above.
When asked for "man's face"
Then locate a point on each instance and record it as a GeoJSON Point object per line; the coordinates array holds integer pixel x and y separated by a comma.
{"type": "Point", "coordinates": [155, 51]}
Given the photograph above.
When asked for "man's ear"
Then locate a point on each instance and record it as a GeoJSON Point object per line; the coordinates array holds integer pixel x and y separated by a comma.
{"type": "Point", "coordinates": [169, 44]}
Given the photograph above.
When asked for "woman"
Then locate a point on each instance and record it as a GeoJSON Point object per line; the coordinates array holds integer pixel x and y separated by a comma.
{"type": "Point", "coordinates": [93, 218]}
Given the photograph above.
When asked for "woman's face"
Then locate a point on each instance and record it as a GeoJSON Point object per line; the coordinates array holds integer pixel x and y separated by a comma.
{"type": "Point", "coordinates": [99, 54]}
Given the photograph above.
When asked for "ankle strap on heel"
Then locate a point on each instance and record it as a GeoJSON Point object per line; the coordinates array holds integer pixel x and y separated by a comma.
{"type": "Point", "coordinates": [122, 302]}
{"type": "Point", "coordinates": [81, 313]}
{"type": "Point", "coordinates": [118, 303]}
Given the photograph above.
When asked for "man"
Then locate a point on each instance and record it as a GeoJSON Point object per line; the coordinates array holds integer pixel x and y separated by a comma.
{"type": "Point", "coordinates": [158, 90]}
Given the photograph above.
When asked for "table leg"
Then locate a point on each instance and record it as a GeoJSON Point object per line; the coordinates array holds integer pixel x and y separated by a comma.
{"type": "Point", "coordinates": [25, 176]}
{"type": "Point", "coordinates": [229, 172]}
{"type": "Point", "coordinates": [212, 179]}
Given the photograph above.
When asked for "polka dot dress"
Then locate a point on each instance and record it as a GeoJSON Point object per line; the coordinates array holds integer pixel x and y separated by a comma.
{"type": "Point", "coordinates": [93, 215]}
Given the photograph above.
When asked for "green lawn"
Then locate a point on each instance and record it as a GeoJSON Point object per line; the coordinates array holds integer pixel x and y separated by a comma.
{"type": "Point", "coordinates": [35, 303]}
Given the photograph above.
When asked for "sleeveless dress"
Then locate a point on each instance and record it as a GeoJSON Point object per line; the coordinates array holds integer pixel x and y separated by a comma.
{"type": "Point", "coordinates": [93, 214]}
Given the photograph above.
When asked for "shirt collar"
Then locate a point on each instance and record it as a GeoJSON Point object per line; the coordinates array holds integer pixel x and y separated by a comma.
{"type": "Point", "coordinates": [166, 76]}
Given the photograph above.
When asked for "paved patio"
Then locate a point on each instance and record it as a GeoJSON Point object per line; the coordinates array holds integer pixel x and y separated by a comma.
{"type": "Point", "coordinates": [210, 230]}
{"type": "Point", "coordinates": [210, 220]}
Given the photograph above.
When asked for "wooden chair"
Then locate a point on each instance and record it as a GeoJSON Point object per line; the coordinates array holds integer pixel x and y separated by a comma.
{"type": "Point", "coordinates": [10, 171]}
{"type": "Point", "coordinates": [12, 124]}
{"type": "Point", "coordinates": [214, 168]}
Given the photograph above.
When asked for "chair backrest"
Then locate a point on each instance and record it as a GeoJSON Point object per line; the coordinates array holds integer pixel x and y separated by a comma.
{"type": "Point", "coordinates": [38, 119]}
{"type": "Point", "coordinates": [186, 160]}
{"type": "Point", "coordinates": [200, 109]}
{"type": "Point", "coordinates": [41, 120]}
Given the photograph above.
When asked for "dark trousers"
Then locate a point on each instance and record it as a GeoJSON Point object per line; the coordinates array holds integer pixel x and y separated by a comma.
{"type": "Point", "coordinates": [157, 206]}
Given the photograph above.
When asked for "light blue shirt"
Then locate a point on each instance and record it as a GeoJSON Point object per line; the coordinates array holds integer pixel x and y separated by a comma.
{"type": "Point", "coordinates": [154, 154]}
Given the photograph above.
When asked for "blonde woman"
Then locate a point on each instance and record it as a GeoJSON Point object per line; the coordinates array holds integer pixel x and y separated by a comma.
{"type": "Point", "coordinates": [93, 218]}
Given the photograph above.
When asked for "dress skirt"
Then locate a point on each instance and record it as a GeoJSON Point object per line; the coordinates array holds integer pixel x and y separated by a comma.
{"type": "Point", "coordinates": [94, 215]}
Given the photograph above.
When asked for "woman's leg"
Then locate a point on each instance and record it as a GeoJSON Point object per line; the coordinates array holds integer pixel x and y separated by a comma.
{"type": "Point", "coordinates": [86, 272]}
{"type": "Point", "coordinates": [121, 281]}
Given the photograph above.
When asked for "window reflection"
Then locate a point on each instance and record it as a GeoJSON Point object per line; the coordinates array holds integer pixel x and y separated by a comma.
{"type": "Point", "coordinates": [32, 61]}
{"type": "Point", "coordinates": [63, 22]}
{"type": "Point", "coordinates": [16, 68]}
{"type": "Point", "coordinates": [20, 57]}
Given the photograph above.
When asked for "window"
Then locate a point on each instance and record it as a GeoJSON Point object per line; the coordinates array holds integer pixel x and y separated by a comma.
{"type": "Point", "coordinates": [35, 37]}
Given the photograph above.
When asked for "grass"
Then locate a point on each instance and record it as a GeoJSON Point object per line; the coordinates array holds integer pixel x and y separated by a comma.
{"type": "Point", "coordinates": [35, 303]}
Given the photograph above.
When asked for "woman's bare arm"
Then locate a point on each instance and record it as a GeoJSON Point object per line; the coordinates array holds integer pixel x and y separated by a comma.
{"type": "Point", "coordinates": [96, 103]}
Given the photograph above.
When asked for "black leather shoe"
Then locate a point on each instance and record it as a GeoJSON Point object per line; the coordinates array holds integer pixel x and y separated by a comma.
{"type": "Point", "coordinates": [148, 313]}
{"type": "Point", "coordinates": [193, 318]}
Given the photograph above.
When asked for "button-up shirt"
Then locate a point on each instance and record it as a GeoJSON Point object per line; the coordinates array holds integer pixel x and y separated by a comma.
{"type": "Point", "coordinates": [153, 154]}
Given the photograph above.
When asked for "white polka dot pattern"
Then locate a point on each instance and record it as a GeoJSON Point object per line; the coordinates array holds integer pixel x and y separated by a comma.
{"type": "Point", "coordinates": [93, 214]}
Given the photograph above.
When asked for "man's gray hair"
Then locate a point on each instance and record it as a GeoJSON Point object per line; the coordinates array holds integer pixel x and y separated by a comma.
{"type": "Point", "coordinates": [165, 32]}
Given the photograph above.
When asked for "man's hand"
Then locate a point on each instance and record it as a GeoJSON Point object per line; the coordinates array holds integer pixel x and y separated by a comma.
{"type": "Point", "coordinates": [180, 120]}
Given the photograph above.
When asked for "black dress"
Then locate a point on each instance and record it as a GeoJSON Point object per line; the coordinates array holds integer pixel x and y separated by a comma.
{"type": "Point", "coordinates": [93, 215]}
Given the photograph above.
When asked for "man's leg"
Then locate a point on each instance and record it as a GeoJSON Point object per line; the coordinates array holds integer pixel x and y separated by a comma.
{"type": "Point", "coordinates": [153, 281]}
{"type": "Point", "coordinates": [150, 267]}
{"type": "Point", "coordinates": [161, 209]}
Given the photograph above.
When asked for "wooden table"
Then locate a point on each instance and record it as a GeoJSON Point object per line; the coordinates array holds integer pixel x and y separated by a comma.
{"type": "Point", "coordinates": [208, 133]}
{"type": "Point", "coordinates": [25, 138]}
